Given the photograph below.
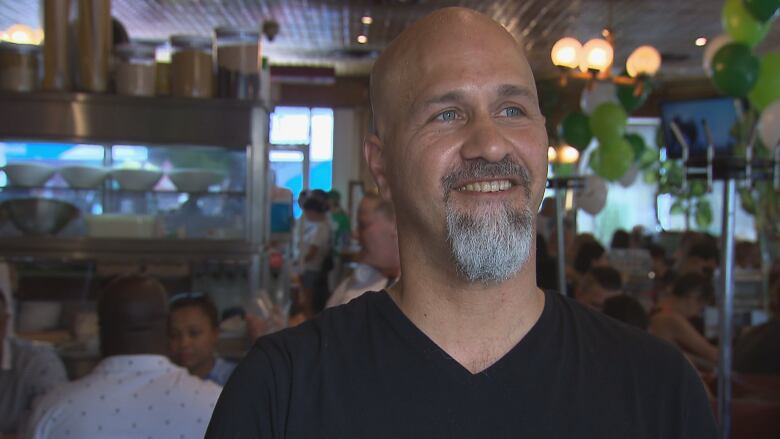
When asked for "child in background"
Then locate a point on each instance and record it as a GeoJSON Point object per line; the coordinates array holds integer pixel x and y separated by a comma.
{"type": "Point", "coordinates": [193, 330]}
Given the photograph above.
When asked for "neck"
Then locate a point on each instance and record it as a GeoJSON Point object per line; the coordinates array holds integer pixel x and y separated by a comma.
{"type": "Point", "coordinates": [475, 323]}
{"type": "Point", "coordinates": [203, 369]}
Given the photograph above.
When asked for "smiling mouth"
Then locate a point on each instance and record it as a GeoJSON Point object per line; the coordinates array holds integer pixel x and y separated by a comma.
{"type": "Point", "coordinates": [487, 186]}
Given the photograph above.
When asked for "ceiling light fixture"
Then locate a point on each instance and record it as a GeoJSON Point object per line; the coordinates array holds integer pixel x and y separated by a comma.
{"type": "Point", "coordinates": [366, 19]}
{"type": "Point", "coordinates": [22, 34]}
{"type": "Point", "coordinates": [362, 39]}
{"type": "Point", "coordinates": [701, 42]}
{"type": "Point", "coordinates": [595, 59]}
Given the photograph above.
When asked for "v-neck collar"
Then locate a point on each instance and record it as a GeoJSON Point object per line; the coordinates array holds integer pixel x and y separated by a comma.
{"type": "Point", "coordinates": [434, 353]}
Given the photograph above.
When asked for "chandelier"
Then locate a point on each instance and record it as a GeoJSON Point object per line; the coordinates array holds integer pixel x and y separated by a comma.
{"type": "Point", "coordinates": [594, 60]}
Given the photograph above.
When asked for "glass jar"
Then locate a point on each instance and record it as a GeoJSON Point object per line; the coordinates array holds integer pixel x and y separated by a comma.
{"type": "Point", "coordinates": [238, 63]}
{"type": "Point", "coordinates": [95, 33]}
{"type": "Point", "coordinates": [56, 73]}
{"type": "Point", "coordinates": [136, 72]}
{"type": "Point", "coordinates": [18, 66]}
{"type": "Point", "coordinates": [192, 69]}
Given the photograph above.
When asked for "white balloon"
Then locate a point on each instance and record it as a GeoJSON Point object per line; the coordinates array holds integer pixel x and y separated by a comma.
{"type": "Point", "coordinates": [630, 176]}
{"type": "Point", "coordinates": [598, 94]}
{"type": "Point", "coordinates": [711, 49]}
{"type": "Point", "coordinates": [769, 125]}
{"type": "Point", "coordinates": [593, 197]}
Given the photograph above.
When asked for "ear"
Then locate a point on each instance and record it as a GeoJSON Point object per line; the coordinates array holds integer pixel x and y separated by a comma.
{"type": "Point", "coordinates": [373, 151]}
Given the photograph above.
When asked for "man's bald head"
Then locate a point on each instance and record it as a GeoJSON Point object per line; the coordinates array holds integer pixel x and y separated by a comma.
{"type": "Point", "coordinates": [132, 311]}
{"type": "Point", "coordinates": [420, 47]}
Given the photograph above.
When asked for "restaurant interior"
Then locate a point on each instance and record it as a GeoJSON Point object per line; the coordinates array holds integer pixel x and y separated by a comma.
{"type": "Point", "coordinates": [189, 140]}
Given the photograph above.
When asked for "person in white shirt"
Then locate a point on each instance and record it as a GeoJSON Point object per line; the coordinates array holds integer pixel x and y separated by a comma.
{"type": "Point", "coordinates": [135, 391]}
{"type": "Point", "coordinates": [378, 263]}
{"type": "Point", "coordinates": [28, 370]}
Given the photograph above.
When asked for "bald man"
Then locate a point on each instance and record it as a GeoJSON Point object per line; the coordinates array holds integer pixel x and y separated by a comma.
{"type": "Point", "coordinates": [464, 345]}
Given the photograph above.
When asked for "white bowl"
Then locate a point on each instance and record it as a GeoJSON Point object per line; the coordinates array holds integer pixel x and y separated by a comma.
{"type": "Point", "coordinates": [28, 174]}
{"type": "Point", "coordinates": [136, 179]}
{"type": "Point", "coordinates": [121, 226]}
{"type": "Point", "coordinates": [83, 177]}
{"type": "Point", "coordinates": [195, 180]}
{"type": "Point", "coordinates": [37, 316]}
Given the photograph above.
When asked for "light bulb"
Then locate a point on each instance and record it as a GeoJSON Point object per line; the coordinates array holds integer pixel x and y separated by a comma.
{"type": "Point", "coordinates": [366, 20]}
{"type": "Point", "coordinates": [552, 154]}
{"type": "Point", "coordinates": [566, 53]}
{"type": "Point", "coordinates": [597, 54]}
{"type": "Point", "coordinates": [645, 60]}
{"type": "Point", "coordinates": [568, 154]}
{"type": "Point", "coordinates": [22, 34]}
{"type": "Point", "coordinates": [362, 39]}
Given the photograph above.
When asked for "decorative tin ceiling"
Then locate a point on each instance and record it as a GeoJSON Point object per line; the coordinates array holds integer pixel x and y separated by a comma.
{"type": "Point", "coordinates": [324, 32]}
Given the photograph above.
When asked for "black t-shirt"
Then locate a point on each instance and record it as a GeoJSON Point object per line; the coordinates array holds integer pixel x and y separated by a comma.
{"type": "Point", "coordinates": [363, 370]}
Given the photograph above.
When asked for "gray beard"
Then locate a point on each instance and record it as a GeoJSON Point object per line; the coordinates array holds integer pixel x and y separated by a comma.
{"type": "Point", "coordinates": [490, 247]}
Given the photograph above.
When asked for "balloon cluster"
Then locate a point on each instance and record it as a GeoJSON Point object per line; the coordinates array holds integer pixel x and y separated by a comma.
{"type": "Point", "coordinates": [604, 115]}
{"type": "Point", "coordinates": [736, 71]}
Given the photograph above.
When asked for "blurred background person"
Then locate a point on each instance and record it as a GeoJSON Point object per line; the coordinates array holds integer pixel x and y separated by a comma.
{"type": "Point", "coordinates": [589, 254]}
{"type": "Point", "coordinates": [626, 309]}
{"type": "Point", "coordinates": [135, 391]}
{"type": "Point", "coordinates": [28, 371]}
{"type": "Point", "coordinates": [193, 332]}
{"type": "Point", "coordinates": [757, 350]}
{"type": "Point", "coordinates": [379, 264]}
{"type": "Point", "coordinates": [689, 294]}
{"type": "Point", "coordinates": [702, 257]}
{"type": "Point", "coordinates": [620, 240]}
{"type": "Point", "coordinates": [598, 285]}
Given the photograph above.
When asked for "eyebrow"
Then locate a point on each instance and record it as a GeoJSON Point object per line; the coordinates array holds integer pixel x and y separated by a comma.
{"type": "Point", "coordinates": [511, 90]}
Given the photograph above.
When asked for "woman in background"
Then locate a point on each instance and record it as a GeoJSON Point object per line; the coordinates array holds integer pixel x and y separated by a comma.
{"type": "Point", "coordinates": [671, 320]}
{"type": "Point", "coordinates": [193, 330]}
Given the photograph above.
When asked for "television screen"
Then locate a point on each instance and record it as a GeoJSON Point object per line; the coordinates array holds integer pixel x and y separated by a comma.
{"type": "Point", "coordinates": [720, 115]}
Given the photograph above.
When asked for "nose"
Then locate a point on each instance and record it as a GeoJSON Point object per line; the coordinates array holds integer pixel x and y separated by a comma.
{"type": "Point", "coordinates": [485, 140]}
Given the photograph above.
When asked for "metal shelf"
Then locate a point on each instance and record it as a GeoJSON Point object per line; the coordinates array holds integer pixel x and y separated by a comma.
{"type": "Point", "coordinates": [12, 189]}
{"type": "Point", "coordinates": [95, 118]}
{"type": "Point", "coordinates": [136, 250]}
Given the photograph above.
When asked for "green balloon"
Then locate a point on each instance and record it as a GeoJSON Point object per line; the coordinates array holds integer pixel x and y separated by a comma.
{"type": "Point", "coordinates": [612, 159]}
{"type": "Point", "coordinates": [741, 25]}
{"type": "Point", "coordinates": [767, 88]}
{"type": "Point", "coordinates": [734, 69]}
{"type": "Point", "coordinates": [608, 122]}
{"type": "Point", "coordinates": [637, 145]}
{"type": "Point", "coordinates": [575, 130]}
{"type": "Point", "coordinates": [762, 10]}
{"type": "Point", "coordinates": [629, 100]}
{"type": "Point", "coordinates": [549, 96]}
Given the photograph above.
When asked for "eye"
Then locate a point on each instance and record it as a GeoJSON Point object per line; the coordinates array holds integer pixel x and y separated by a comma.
{"type": "Point", "coordinates": [446, 116]}
{"type": "Point", "coordinates": [512, 112]}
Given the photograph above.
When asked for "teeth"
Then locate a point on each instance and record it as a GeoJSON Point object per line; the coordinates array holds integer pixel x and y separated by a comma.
{"type": "Point", "coordinates": [487, 186]}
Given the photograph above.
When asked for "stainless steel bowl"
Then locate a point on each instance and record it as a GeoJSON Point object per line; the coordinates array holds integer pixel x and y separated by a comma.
{"type": "Point", "coordinates": [39, 216]}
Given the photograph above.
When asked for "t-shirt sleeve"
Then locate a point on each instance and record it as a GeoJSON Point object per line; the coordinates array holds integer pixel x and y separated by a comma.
{"type": "Point", "coordinates": [698, 420]}
{"type": "Point", "coordinates": [249, 404]}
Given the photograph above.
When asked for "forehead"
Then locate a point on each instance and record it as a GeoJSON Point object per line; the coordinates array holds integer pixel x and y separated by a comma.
{"type": "Point", "coordinates": [479, 65]}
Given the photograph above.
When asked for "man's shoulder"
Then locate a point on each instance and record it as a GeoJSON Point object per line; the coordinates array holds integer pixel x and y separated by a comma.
{"type": "Point", "coordinates": [611, 338]}
{"type": "Point", "coordinates": [332, 328]}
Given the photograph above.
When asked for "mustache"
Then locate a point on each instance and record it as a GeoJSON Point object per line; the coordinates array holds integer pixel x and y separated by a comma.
{"type": "Point", "coordinates": [480, 168]}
